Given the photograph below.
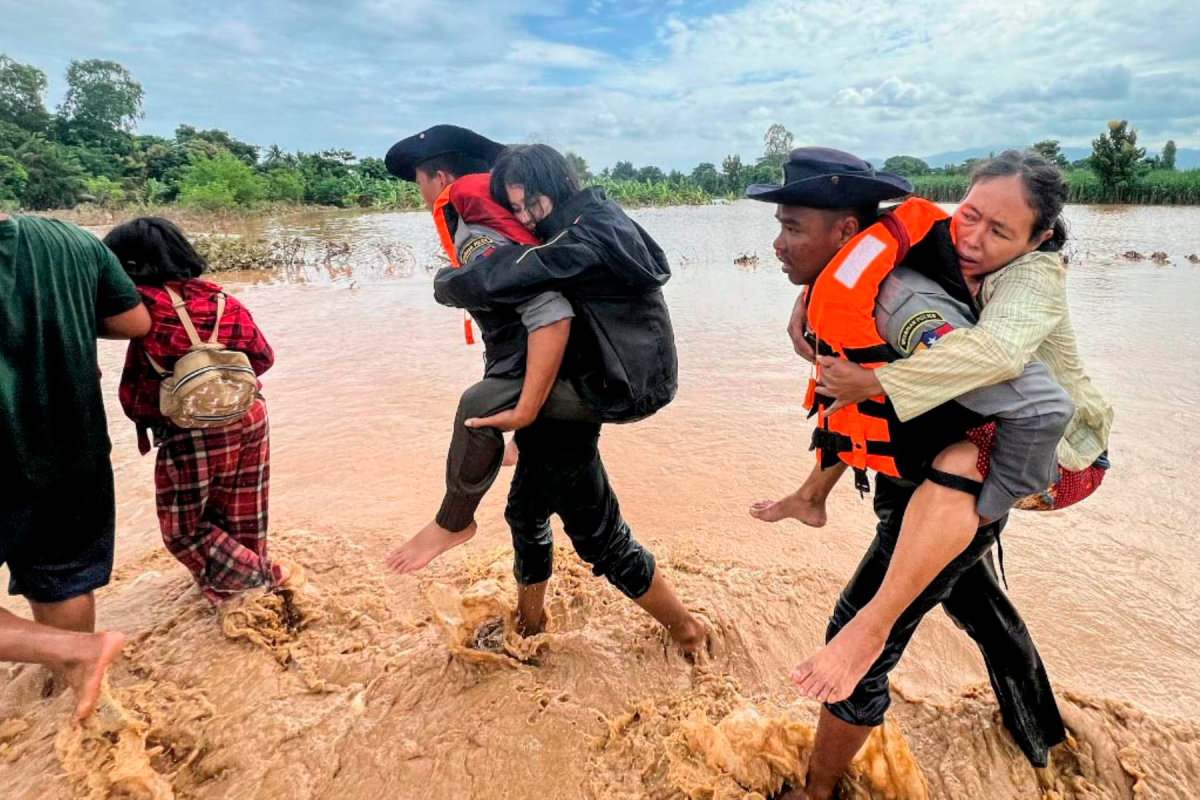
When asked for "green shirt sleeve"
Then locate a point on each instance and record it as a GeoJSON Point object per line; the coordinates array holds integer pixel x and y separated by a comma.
{"type": "Point", "coordinates": [115, 292]}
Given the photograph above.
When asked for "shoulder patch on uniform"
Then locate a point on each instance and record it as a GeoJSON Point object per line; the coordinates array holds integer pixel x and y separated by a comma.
{"type": "Point", "coordinates": [929, 338]}
{"type": "Point", "coordinates": [857, 261]}
{"type": "Point", "coordinates": [476, 248]}
{"type": "Point", "coordinates": [924, 319]}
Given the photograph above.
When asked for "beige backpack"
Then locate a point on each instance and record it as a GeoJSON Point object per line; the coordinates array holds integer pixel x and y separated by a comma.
{"type": "Point", "coordinates": [210, 386]}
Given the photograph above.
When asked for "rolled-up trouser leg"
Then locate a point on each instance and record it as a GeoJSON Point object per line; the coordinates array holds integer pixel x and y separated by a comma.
{"type": "Point", "coordinates": [476, 453]}
{"type": "Point", "coordinates": [1015, 668]}
{"type": "Point", "coordinates": [528, 517]}
{"type": "Point", "coordinates": [566, 461]}
{"type": "Point", "coordinates": [870, 699]}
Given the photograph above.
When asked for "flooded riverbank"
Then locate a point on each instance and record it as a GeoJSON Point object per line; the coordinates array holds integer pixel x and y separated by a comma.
{"type": "Point", "coordinates": [361, 696]}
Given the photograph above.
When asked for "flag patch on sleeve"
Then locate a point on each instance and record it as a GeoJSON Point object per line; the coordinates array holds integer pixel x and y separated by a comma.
{"type": "Point", "coordinates": [929, 338]}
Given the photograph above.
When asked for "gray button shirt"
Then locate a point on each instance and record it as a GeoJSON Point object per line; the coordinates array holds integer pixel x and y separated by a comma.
{"type": "Point", "coordinates": [1031, 411]}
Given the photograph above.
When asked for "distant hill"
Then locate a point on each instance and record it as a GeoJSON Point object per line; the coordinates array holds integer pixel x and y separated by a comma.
{"type": "Point", "coordinates": [1185, 157]}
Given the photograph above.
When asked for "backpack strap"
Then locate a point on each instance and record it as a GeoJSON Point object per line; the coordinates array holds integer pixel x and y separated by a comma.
{"type": "Point", "coordinates": [162, 373]}
{"type": "Point", "coordinates": [178, 304]}
{"type": "Point", "coordinates": [217, 325]}
{"type": "Point", "coordinates": [181, 311]}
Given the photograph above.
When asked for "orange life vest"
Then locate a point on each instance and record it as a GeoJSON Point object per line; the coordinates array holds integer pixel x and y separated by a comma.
{"type": "Point", "coordinates": [841, 315]}
{"type": "Point", "coordinates": [468, 199]}
{"type": "Point", "coordinates": [442, 224]}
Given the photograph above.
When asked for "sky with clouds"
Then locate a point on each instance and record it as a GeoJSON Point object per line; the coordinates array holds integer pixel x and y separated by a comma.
{"type": "Point", "coordinates": [663, 82]}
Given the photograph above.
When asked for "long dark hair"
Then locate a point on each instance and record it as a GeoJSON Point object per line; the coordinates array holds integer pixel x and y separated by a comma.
{"type": "Point", "coordinates": [539, 168]}
{"type": "Point", "coordinates": [1046, 191]}
{"type": "Point", "coordinates": [153, 251]}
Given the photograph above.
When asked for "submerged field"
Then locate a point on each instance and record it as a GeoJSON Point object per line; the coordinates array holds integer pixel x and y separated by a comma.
{"type": "Point", "coordinates": [363, 684]}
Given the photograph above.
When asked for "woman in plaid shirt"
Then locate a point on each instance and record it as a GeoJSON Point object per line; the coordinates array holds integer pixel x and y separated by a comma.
{"type": "Point", "coordinates": [211, 484]}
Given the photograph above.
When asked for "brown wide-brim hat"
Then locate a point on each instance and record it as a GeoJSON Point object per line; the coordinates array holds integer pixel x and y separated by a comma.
{"type": "Point", "coordinates": [404, 156]}
{"type": "Point", "coordinates": [821, 177]}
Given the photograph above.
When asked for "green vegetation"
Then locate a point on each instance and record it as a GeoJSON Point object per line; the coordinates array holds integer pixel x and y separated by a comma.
{"type": "Point", "coordinates": [88, 151]}
{"type": "Point", "coordinates": [653, 193]}
{"type": "Point", "coordinates": [1050, 151]}
{"type": "Point", "coordinates": [1118, 171]}
{"type": "Point", "coordinates": [1116, 158]}
{"type": "Point", "coordinates": [1168, 155]}
{"type": "Point", "coordinates": [1158, 187]}
{"type": "Point", "coordinates": [908, 166]}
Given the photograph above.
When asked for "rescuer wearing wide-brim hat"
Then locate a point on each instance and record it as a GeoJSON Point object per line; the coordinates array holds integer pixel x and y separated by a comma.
{"type": "Point", "coordinates": [820, 177]}
{"type": "Point", "coordinates": [437, 156]}
{"type": "Point", "coordinates": [827, 198]}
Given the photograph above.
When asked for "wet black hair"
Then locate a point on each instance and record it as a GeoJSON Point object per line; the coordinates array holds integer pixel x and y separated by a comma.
{"type": "Point", "coordinates": [453, 164]}
{"type": "Point", "coordinates": [153, 251]}
{"type": "Point", "coordinates": [1046, 191]}
{"type": "Point", "coordinates": [539, 169]}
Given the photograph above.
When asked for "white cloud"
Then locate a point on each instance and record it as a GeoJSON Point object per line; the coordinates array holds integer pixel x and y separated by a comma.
{"type": "Point", "coordinates": [892, 92]}
{"type": "Point", "coordinates": [672, 86]}
{"type": "Point", "coordinates": [537, 53]}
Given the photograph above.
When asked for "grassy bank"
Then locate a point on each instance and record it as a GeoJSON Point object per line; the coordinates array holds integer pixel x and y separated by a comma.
{"type": "Point", "coordinates": [1158, 187]}
{"type": "Point", "coordinates": [630, 194]}
{"type": "Point", "coordinates": [192, 220]}
{"type": "Point", "coordinates": [305, 258]}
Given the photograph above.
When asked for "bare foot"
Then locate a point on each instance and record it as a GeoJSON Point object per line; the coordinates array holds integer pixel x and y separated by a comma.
{"type": "Point", "coordinates": [288, 574]}
{"type": "Point", "coordinates": [510, 454]}
{"type": "Point", "coordinates": [831, 675]}
{"type": "Point", "coordinates": [794, 506]}
{"type": "Point", "coordinates": [428, 544]}
{"type": "Point", "coordinates": [86, 671]}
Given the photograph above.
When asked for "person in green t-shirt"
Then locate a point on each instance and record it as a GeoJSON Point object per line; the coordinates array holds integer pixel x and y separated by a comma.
{"type": "Point", "coordinates": [60, 288]}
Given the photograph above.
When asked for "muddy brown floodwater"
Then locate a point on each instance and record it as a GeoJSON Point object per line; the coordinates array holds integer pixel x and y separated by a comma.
{"type": "Point", "coordinates": [361, 684]}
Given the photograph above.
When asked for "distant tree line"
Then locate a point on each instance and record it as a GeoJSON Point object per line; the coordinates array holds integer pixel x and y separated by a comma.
{"type": "Point", "coordinates": [1117, 171]}
{"type": "Point", "coordinates": [88, 150]}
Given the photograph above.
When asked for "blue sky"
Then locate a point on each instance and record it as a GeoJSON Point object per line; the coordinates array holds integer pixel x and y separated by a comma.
{"type": "Point", "coordinates": [663, 82]}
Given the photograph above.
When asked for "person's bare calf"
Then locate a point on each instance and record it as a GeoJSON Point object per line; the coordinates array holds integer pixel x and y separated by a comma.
{"type": "Point", "coordinates": [938, 525]}
{"type": "Point", "coordinates": [531, 608]}
{"type": "Point", "coordinates": [81, 658]}
{"type": "Point", "coordinates": [429, 543]}
{"type": "Point", "coordinates": [836, 745]}
{"type": "Point", "coordinates": [74, 614]}
{"type": "Point", "coordinates": [806, 504]}
{"type": "Point", "coordinates": [686, 630]}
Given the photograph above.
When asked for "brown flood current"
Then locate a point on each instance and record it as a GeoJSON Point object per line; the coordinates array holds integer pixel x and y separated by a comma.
{"type": "Point", "coordinates": [361, 684]}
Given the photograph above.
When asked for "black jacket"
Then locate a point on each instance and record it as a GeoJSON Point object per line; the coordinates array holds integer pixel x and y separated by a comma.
{"type": "Point", "coordinates": [621, 354]}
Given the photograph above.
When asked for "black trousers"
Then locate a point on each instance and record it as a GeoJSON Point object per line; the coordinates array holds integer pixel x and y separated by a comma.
{"type": "Point", "coordinates": [969, 592]}
{"type": "Point", "coordinates": [560, 472]}
{"type": "Point", "coordinates": [474, 457]}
